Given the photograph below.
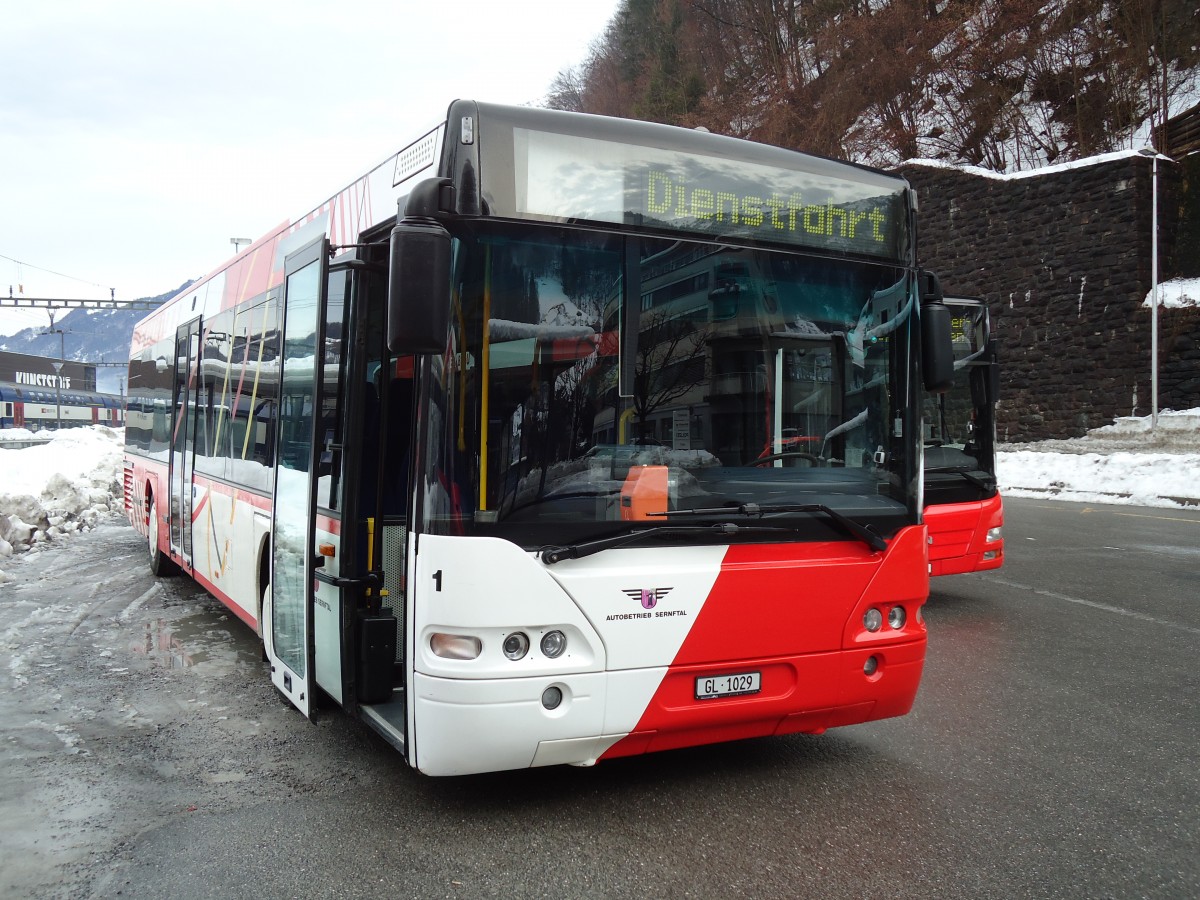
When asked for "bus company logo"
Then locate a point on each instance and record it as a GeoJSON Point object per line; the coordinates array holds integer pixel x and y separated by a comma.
{"type": "Point", "coordinates": [648, 597]}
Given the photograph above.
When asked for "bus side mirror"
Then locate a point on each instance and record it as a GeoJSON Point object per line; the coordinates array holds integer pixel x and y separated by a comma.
{"type": "Point", "coordinates": [937, 347]}
{"type": "Point", "coordinates": [419, 276]}
{"type": "Point", "coordinates": [937, 351]}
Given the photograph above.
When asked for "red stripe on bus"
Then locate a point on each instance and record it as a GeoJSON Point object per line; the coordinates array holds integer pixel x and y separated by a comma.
{"type": "Point", "coordinates": [794, 614]}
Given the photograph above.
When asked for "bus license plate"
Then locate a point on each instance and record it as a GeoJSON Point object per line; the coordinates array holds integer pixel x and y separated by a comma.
{"type": "Point", "coordinates": [710, 686]}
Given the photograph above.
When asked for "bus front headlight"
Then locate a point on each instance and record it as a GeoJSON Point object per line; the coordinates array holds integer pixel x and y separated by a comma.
{"type": "Point", "coordinates": [516, 645]}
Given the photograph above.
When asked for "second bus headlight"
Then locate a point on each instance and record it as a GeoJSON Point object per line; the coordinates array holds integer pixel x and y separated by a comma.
{"type": "Point", "coordinates": [553, 644]}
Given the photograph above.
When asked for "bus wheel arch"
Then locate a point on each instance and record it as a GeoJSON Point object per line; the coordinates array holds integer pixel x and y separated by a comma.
{"type": "Point", "coordinates": [160, 563]}
{"type": "Point", "coordinates": [264, 591]}
{"type": "Point", "coordinates": [147, 498]}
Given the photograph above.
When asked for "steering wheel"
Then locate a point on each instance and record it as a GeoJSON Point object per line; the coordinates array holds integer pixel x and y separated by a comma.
{"type": "Point", "coordinates": [790, 454]}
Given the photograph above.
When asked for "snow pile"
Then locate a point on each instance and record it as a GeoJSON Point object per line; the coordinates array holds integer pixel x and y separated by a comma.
{"type": "Point", "coordinates": [1131, 461]}
{"type": "Point", "coordinates": [1176, 294]}
{"type": "Point", "coordinates": [50, 491]}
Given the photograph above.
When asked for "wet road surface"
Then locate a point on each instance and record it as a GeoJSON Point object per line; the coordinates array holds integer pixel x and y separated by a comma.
{"type": "Point", "coordinates": [1052, 753]}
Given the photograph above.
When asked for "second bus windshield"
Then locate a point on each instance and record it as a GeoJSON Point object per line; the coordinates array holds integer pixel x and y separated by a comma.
{"type": "Point", "coordinates": [756, 377]}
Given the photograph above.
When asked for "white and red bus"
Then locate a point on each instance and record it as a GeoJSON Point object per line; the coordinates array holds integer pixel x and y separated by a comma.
{"type": "Point", "coordinates": [476, 445]}
{"type": "Point", "coordinates": [963, 508]}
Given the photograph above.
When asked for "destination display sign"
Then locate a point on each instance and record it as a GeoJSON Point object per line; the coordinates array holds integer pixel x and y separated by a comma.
{"type": "Point", "coordinates": [570, 177]}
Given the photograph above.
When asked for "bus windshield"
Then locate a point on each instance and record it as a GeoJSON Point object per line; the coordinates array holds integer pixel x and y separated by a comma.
{"type": "Point", "coordinates": [594, 380]}
{"type": "Point", "coordinates": [960, 463]}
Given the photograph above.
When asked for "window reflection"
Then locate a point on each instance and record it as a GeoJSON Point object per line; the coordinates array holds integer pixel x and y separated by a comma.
{"type": "Point", "coordinates": [755, 377]}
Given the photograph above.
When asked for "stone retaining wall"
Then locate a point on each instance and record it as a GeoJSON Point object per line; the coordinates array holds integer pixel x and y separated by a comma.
{"type": "Point", "coordinates": [1063, 259]}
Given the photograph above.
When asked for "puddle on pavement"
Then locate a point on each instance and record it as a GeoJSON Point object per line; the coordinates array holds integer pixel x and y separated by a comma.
{"type": "Point", "coordinates": [184, 644]}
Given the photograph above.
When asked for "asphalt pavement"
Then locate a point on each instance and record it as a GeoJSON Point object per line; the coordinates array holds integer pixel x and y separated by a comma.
{"type": "Point", "coordinates": [1052, 753]}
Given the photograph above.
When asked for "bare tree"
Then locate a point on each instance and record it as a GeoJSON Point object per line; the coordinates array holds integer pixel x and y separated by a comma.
{"type": "Point", "coordinates": [671, 361]}
{"type": "Point", "coordinates": [567, 90]}
{"type": "Point", "coordinates": [1163, 41]}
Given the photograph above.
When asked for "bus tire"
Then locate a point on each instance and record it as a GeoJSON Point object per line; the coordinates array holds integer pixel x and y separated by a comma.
{"type": "Point", "coordinates": [160, 564]}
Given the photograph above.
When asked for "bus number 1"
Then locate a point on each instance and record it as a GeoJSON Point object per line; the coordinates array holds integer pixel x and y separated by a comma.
{"type": "Point", "coordinates": [437, 579]}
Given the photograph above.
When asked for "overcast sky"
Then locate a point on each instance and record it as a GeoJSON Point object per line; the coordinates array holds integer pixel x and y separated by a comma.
{"type": "Point", "coordinates": [137, 137]}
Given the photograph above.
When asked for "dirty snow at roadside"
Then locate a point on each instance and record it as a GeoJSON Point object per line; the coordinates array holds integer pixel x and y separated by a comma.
{"type": "Point", "coordinates": [50, 491]}
{"type": "Point", "coordinates": [1132, 461]}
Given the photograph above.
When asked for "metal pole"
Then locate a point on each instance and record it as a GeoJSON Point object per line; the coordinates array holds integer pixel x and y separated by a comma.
{"type": "Point", "coordinates": [1154, 295]}
{"type": "Point", "coordinates": [62, 362]}
{"type": "Point", "coordinates": [1153, 154]}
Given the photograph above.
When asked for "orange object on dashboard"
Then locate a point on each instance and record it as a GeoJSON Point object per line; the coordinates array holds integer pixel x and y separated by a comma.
{"type": "Point", "coordinates": [644, 492]}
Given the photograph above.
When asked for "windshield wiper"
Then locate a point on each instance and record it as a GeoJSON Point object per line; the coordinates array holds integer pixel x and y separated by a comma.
{"type": "Point", "coordinates": [552, 555]}
{"type": "Point", "coordinates": [862, 532]}
{"type": "Point", "coordinates": [987, 483]}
